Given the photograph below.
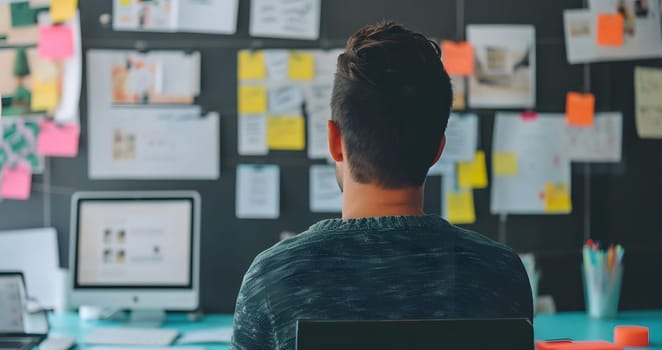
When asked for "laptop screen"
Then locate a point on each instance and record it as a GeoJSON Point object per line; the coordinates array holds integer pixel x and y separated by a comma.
{"type": "Point", "coordinates": [12, 303]}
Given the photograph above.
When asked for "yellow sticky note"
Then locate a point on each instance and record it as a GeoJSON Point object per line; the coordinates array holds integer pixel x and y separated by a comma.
{"type": "Point", "coordinates": [557, 198]}
{"type": "Point", "coordinates": [286, 133]}
{"type": "Point", "coordinates": [252, 99]}
{"type": "Point", "coordinates": [473, 174]}
{"type": "Point", "coordinates": [125, 2]}
{"type": "Point", "coordinates": [504, 163]}
{"type": "Point", "coordinates": [251, 65]}
{"type": "Point", "coordinates": [45, 95]}
{"type": "Point", "coordinates": [461, 209]}
{"type": "Point", "coordinates": [63, 10]}
{"type": "Point", "coordinates": [302, 66]}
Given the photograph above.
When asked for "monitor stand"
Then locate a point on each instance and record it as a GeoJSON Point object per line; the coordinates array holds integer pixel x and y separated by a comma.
{"type": "Point", "coordinates": [146, 318]}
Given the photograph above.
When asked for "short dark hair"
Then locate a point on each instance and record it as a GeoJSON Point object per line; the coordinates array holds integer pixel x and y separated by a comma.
{"type": "Point", "coordinates": [391, 102]}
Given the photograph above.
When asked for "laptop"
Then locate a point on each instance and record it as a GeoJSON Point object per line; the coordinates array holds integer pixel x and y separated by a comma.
{"type": "Point", "coordinates": [19, 329]}
{"type": "Point", "coordinates": [465, 334]}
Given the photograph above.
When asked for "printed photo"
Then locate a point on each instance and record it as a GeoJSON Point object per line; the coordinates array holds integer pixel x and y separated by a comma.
{"type": "Point", "coordinates": [124, 145]}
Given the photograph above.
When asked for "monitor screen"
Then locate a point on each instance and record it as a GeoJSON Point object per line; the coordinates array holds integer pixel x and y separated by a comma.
{"type": "Point", "coordinates": [134, 243]}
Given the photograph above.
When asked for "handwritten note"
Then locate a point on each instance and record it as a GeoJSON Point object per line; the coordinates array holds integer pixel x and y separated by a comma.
{"type": "Point", "coordinates": [56, 42]}
{"type": "Point", "coordinates": [318, 143]}
{"type": "Point", "coordinates": [458, 57]}
{"type": "Point", "coordinates": [252, 99]}
{"type": "Point", "coordinates": [610, 29]}
{"type": "Point", "coordinates": [258, 191]}
{"type": "Point", "coordinates": [600, 143]}
{"type": "Point", "coordinates": [580, 109]}
{"type": "Point", "coordinates": [461, 209]}
{"type": "Point", "coordinates": [251, 65]}
{"type": "Point", "coordinates": [16, 182]}
{"type": "Point", "coordinates": [301, 66]}
{"type": "Point", "coordinates": [293, 19]}
{"type": "Point", "coordinates": [285, 98]}
{"type": "Point", "coordinates": [63, 10]}
{"type": "Point", "coordinates": [253, 135]}
{"type": "Point", "coordinates": [286, 133]}
{"type": "Point", "coordinates": [325, 195]}
{"type": "Point", "coordinates": [504, 163]}
{"type": "Point", "coordinates": [557, 198]}
{"type": "Point", "coordinates": [58, 140]}
{"type": "Point", "coordinates": [648, 101]}
{"type": "Point", "coordinates": [473, 174]}
{"type": "Point", "coordinates": [45, 95]}
{"type": "Point", "coordinates": [277, 62]}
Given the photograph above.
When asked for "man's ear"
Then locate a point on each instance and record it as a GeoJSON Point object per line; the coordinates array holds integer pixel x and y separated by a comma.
{"type": "Point", "coordinates": [335, 141]}
{"type": "Point", "coordinates": [442, 144]}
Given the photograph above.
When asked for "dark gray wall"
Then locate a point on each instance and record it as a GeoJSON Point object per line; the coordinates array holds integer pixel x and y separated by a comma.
{"type": "Point", "coordinates": [616, 202]}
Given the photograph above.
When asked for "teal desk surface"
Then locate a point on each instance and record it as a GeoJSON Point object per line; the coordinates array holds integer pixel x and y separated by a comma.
{"type": "Point", "coordinates": [573, 325]}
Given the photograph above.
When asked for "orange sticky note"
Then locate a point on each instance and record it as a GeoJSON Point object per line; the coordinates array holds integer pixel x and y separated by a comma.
{"type": "Point", "coordinates": [458, 57]}
{"type": "Point", "coordinates": [58, 140]}
{"type": "Point", "coordinates": [56, 42]}
{"type": "Point", "coordinates": [610, 29]}
{"type": "Point", "coordinates": [16, 183]}
{"type": "Point", "coordinates": [580, 109]}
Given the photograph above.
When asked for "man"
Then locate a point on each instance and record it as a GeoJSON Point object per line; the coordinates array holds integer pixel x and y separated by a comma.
{"type": "Point", "coordinates": [385, 259]}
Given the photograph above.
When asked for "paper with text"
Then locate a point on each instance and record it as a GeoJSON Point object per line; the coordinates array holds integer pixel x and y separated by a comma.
{"type": "Point", "coordinates": [258, 191]}
{"type": "Point", "coordinates": [600, 143]}
{"type": "Point", "coordinates": [253, 135]}
{"type": "Point", "coordinates": [648, 101]}
{"type": "Point", "coordinates": [289, 19]}
{"type": "Point", "coordinates": [285, 98]}
{"type": "Point", "coordinates": [325, 194]}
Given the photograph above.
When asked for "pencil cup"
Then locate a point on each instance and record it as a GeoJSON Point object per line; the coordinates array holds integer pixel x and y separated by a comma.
{"type": "Point", "coordinates": [602, 290]}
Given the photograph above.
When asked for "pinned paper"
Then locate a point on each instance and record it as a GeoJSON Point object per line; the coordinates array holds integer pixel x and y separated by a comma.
{"type": "Point", "coordinates": [63, 10]}
{"type": "Point", "coordinates": [557, 198]}
{"type": "Point", "coordinates": [251, 65]}
{"type": "Point", "coordinates": [286, 133]}
{"type": "Point", "coordinates": [16, 182]}
{"type": "Point", "coordinates": [58, 141]}
{"type": "Point", "coordinates": [285, 98]}
{"type": "Point", "coordinates": [580, 109]}
{"type": "Point", "coordinates": [610, 29]}
{"type": "Point", "coordinates": [45, 95]}
{"type": "Point", "coordinates": [56, 42]}
{"type": "Point", "coordinates": [252, 100]}
{"type": "Point", "coordinates": [252, 135]}
{"type": "Point", "coordinates": [461, 209]}
{"type": "Point", "coordinates": [302, 66]}
{"type": "Point", "coordinates": [473, 174]}
{"type": "Point", "coordinates": [277, 62]}
{"type": "Point", "coordinates": [458, 57]}
{"type": "Point", "coordinates": [529, 116]}
{"type": "Point", "coordinates": [504, 163]}
{"type": "Point", "coordinates": [258, 191]}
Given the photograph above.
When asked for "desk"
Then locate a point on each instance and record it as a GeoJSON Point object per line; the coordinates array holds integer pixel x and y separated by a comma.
{"type": "Point", "coordinates": [573, 325]}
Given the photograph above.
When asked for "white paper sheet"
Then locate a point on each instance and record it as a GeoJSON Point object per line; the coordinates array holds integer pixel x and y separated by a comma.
{"type": "Point", "coordinates": [208, 16]}
{"type": "Point", "coordinates": [461, 137]}
{"type": "Point", "coordinates": [599, 143]}
{"type": "Point", "coordinates": [291, 19]}
{"type": "Point", "coordinates": [285, 98]}
{"type": "Point", "coordinates": [325, 194]}
{"type": "Point", "coordinates": [67, 110]}
{"type": "Point", "coordinates": [252, 135]}
{"type": "Point", "coordinates": [648, 101]}
{"type": "Point", "coordinates": [326, 63]}
{"type": "Point", "coordinates": [505, 68]}
{"type": "Point", "coordinates": [538, 146]}
{"type": "Point", "coordinates": [158, 16]}
{"type": "Point", "coordinates": [277, 64]}
{"type": "Point", "coordinates": [146, 142]}
{"type": "Point", "coordinates": [258, 191]}
{"type": "Point", "coordinates": [180, 73]}
{"type": "Point", "coordinates": [579, 29]}
{"type": "Point", "coordinates": [318, 143]}
{"type": "Point", "coordinates": [206, 336]}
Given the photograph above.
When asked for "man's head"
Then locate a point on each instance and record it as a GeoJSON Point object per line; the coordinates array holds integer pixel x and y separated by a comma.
{"type": "Point", "coordinates": [391, 102]}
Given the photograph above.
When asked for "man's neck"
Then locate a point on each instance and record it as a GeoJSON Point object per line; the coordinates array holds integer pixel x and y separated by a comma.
{"type": "Point", "coordinates": [367, 200]}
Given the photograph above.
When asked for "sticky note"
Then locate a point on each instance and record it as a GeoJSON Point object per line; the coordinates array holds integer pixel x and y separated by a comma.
{"type": "Point", "coordinates": [63, 10]}
{"type": "Point", "coordinates": [251, 65]}
{"type": "Point", "coordinates": [461, 209]}
{"type": "Point", "coordinates": [473, 174]}
{"type": "Point", "coordinates": [557, 198]}
{"type": "Point", "coordinates": [125, 2]}
{"type": "Point", "coordinates": [529, 116]}
{"type": "Point", "coordinates": [45, 95]}
{"type": "Point", "coordinates": [458, 57]}
{"type": "Point", "coordinates": [58, 140]}
{"type": "Point", "coordinates": [504, 163]}
{"type": "Point", "coordinates": [302, 66]}
{"type": "Point", "coordinates": [286, 133]}
{"type": "Point", "coordinates": [252, 99]}
{"type": "Point", "coordinates": [580, 109]}
{"type": "Point", "coordinates": [610, 29]}
{"type": "Point", "coordinates": [16, 182]}
{"type": "Point", "coordinates": [56, 42]}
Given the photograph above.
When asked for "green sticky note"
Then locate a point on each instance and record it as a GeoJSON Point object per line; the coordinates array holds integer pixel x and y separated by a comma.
{"type": "Point", "coordinates": [23, 15]}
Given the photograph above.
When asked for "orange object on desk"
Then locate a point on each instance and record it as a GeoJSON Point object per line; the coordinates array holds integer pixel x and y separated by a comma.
{"type": "Point", "coordinates": [631, 336]}
{"type": "Point", "coordinates": [576, 345]}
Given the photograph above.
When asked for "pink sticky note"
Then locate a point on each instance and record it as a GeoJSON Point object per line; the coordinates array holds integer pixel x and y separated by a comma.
{"type": "Point", "coordinates": [56, 42]}
{"type": "Point", "coordinates": [16, 183]}
{"type": "Point", "coordinates": [529, 116]}
{"type": "Point", "coordinates": [58, 140]}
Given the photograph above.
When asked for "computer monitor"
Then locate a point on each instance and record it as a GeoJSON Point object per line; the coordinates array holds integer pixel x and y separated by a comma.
{"type": "Point", "coordinates": [135, 250]}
